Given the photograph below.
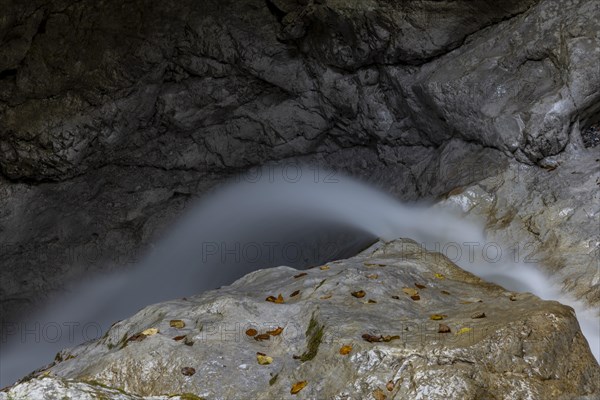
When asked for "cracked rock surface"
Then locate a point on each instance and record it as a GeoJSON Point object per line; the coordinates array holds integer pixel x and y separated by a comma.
{"type": "Point", "coordinates": [115, 115]}
{"type": "Point", "coordinates": [395, 321]}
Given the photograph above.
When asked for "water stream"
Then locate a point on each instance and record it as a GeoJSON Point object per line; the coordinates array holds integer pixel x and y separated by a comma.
{"type": "Point", "coordinates": [296, 217]}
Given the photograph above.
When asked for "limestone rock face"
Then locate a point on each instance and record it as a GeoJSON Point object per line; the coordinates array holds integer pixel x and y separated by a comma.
{"type": "Point", "coordinates": [395, 321]}
{"type": "Point", "coordinates": [114, 116]}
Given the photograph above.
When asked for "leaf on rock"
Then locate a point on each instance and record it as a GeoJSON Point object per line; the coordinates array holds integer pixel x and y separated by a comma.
{"type": "Point", "coordinates": [176, 323]}
{"type": "Point", "coordinates": [371, 301]}
{"type": "Point", "coordinates": [445, 292]}
{"type": "Point", "coordinates": [295, 293]}
{"type": "Point", "coordinates": [188, 371]}
{"type": "Point", "coordinates": [437, 317]}
{"type": "Point", "coordinates": [416, 297]}
{"type": "Point", "coordinates": [324, 267]}
{"type": "Point", "coordinates": [275, 332]}
{"type": "Point", "coordinates": [345, 349]}
{"type": "Point", "coordinates": [442, 328]}
{"type": "Point", "coordinates": [439, 276]}
{"type": "Point", "coordinates": [389, 338]}
{"type": "Point", "coordinates": [359, 294]}
{"type": "Point", "coordinates": [251, 332]}
{"type": "Point", "coordinates": [390, 386]}
{"type": "Point", "coordinates": [150, 332]}
{"type": "Point", "coordinates": [378, 394]}
{"type": "Point", "coordinates": [418, 285]}
{"type": "Point", "coordinates": [300, 275]}
{"type": "Point", "coordinates": [478, 315]}
{"type": "Point", "coordinates": [373, 276]}
{"type": "Point", "coordinates": [327, 296]}
{"type": "Point", "coordinates": [263, 359]}
{"type": "Point", "coordinates": [178, 338]}
{"type": "Point", "coordinates": [463, 330]}
{"type": "Point", "coordinates": [410, 291]}
{"type": "Point", "coordinates": [262, 336]}
{"type": "Point", "coordinates": [298, 386]}
{"type": "Point", "coordinates": [367, 264]}
{"type": "Point", "coordinates": [278, 299]}
{"type": "Point", "coordinates": [396, 297]}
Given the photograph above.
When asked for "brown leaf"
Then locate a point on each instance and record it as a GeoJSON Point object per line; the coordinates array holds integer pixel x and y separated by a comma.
{"type": "Point", "coordinates": [188, 371]}
{"type": "Point", "coordinates": [300, 275]}
{"type": "Point", "coordinates": [478, 315]}
{"type": "Point", "coordinates": [378, 394]}
{"type": "Point", "coordinates": [138, 337]}
{"type": "Point", "coordinates": [273, 299]}
{"type": "Point", "coordinates": [345, 349]}
{"type": "Point", "coordinates": [251, 332]}
{"type": "Point", "coordinates": [327, 296]}
{"type": "Point", "coordinates": [416, 297]}
{"type": "Point", "coordinates": [262, 336]}
{"type": "Point", "coordinates": [298, 386]}
{"type": "Point", "coordinates": [295, 293]}
{"type": "Point", "coordinates": [390, 386]}
{"type": "Point", "coordinates": [373, 276]}
{"type": "Point", "coordinates": [445, 292]}
{"type": "Point", "coordinates": [276, 332]}
{"type": "Point", "coordinates": [420, 286]}
{"type": "Point", "coordinates": [396, 297]}
{"type": "Point", "coordinates": [374, 265]}
{"type": "Point", "coordinates": [359, 294]}
{"type": "Point", "coordinates": [443, 328]}
{"type": "Point", "coordinates": [371, 301]}
{"type": "Point", "coordinates": [178, 338]}
{"type": "Point", "coordinates": [371, 338]}
{"type": "Point", "coordinates": [177, 323]}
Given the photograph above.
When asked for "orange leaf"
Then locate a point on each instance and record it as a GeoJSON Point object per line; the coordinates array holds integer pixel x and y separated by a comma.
{"type": "Point", "coordinates": [298, 386]}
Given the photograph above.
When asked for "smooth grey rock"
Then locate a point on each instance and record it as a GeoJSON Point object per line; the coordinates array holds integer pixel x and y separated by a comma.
{"type": "Point", "coordinates": [523, 348]}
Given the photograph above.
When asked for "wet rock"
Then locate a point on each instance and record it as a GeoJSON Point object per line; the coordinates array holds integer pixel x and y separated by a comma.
{"type": "Point", "coordinates": [530, 348]}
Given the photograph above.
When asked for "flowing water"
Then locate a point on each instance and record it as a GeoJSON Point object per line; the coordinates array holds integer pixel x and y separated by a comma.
{"type": "Point", "coordinates": [296, 217]}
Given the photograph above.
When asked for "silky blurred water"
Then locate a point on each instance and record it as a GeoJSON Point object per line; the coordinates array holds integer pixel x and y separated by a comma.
{"type": "Point", "coordinates": [273, 217]}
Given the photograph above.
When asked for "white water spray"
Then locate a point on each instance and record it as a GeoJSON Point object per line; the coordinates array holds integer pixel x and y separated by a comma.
{"type": "Point", "coordinates": [254, 224]}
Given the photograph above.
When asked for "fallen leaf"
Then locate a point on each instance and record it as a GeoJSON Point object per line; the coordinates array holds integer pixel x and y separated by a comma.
{"type": "Point", "coordinates": [416, 297]}
{"type": "Point", "coordinates": [439, 276]}
{"type": "Point", "coordinates": [373, 276]}
{"type": "Point", "coordinates": [437, 317]}
{"type": "Point", "coordinates": [420, 286]}
{"type": "Point", "coordinates": [324, 267]}
{"type": "Point", "coordinates": [262, 336]}
{"type": "Point", "coordinates": [359, 294]}
{"type": "Point", "coordinates": [374, 265]}
{"type": "Point", "coordinates": [273, 299]}
{"type": "Point", "coordinates": [263, 359]}
{"type": "Point", "coordinates": [150, 332]}
{"type": "Point", "coordinates": [295, 293]}
{"type": "Point", "coordinates": [251, 332]}
{"type": "Point", "coordinates": [178, 338]}
{"type": "Point", "coordinates": [346, 349]}
{"type": "Point", "coordinates": [327, 296]}
{"type": "Point", "coordinates": [138, 337]}
{"type": "Point", "coordinates": [300, 275]}
{"type": "Point", "coordinates": [443, 328]}
{"type": "Point", "coordinates": [275, 332]}
{"type": "Point", "coordinates": [371, 301]}
{"type": "Point", "coordinates": [371, 338]}
{"type": "Point", "coordinates": [378, 394]}
{"type": "Point", "coordinates": [396, 297]}
{"type": "Point", "coordinates": [177, 323]}
{"type": "Point", "coordinates": [410, 291]}
{"type": "Point", "coordinates": [463, 330]}
{"type": "Point", "coordinates": [445, 292]}
{"type": "Point", "coordinates": [478, 315]}
{"type": "Point", "coordinates": [389, 338]}
{"type": "Point", "coordinates": [390, 386]}
{"type": "Point", "coordinates": [298, 386]}
{"type": "Point", "coordinates": [513, 297]}
{"type": "Point", "coordinates": [188, 371]}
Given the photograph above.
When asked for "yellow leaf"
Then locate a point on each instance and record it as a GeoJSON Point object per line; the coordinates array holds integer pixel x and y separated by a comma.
{"type": "Point", "coordinates": [373, 276]}
{"type": "Point", "coordinates": [410, 291]}
{"type": "Point", "coordinates": [150, 332]}
{"type": "Point", "coordinates": [437, 317]}
{"type": "Point", "coordinates": [378, 394]}
{"type": "Point", "coordinates": [359, 294]}
{"type": "Point", "coordinates": [298, 386]}
{"type": "Point", "coordinates": [463, 330]}
{"type": "Point", "coordinates": [327, 296]}
{"type": "Point", "coordinates": [263, 359]}
{"type": "Point", "coordinates": [439, 276]}
{"type": "Point", "coordinates": [177, 323]}
{"type": "Point", "coordinates": [324, 267]}
{"type": "Point", "coordinates": [346, 349]}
